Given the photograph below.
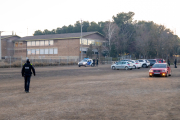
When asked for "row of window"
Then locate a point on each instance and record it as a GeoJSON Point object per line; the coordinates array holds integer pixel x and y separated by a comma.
{"type": "Point", "coordinates": [84, 52]}
{"type": "Point", "coordinates": [42, 51]}
{"type": "Point", "coordinates": [40, 43]}
{"type": "Point", "coordinates": [93, 42]}
{"type": "Point", "coordinates": [18, 44]}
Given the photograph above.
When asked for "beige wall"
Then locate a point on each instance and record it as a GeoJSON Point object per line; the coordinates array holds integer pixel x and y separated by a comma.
{"type": "Point", "coordinates": [8, 46]}
{"type": "Point", "coordinates": [66, 47]}
{"type": "Point", "coordinates": [20, 50]}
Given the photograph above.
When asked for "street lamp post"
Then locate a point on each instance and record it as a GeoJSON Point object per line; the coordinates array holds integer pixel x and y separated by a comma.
{"type": "Point", "coordinates": [81, 39]}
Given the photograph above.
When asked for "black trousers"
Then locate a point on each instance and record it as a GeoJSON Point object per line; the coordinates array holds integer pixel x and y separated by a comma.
{"type": "Point", "coordinates": [27, 82]}
{"type": "Point", "coordinates": [175, 66]}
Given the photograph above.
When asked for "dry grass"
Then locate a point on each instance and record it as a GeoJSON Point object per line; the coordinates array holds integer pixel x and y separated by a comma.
{"type": "Point", "coordinates": [89, 93]}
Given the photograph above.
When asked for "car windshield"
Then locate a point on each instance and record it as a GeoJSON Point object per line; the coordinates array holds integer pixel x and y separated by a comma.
{"type": "Point", "coordinates": [152, 60]}
{"type": "Point", "coordinates": [84, 61]}
{"type": "Point", "coordinates": [159, 66]}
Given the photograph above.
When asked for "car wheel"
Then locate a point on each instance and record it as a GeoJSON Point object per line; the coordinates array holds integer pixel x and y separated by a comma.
{"type": "Point", "coordinates": [113, 68]}
{"type": "Point", "coordinates": [144, 65]}
{"type": "Point", "coordinates": [79, 66]}
{"type": "Point", "coordinates": [169, 74]}
{"type": "Point", "coordinates": [131, 69]}
{"type": "Point", "coordinates": [134, 66]}
{"type": "Point", "coordinates": [138, 67]}
{"type": "Point", "coordinates": [126, 68]}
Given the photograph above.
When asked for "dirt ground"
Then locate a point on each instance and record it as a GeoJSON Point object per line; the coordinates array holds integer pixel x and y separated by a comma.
{"type": "Point", "coordinates": [89, 93]}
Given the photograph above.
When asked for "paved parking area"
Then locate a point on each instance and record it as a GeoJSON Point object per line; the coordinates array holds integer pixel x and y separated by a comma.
{"type": "Point", "coordinates": [71, 92]}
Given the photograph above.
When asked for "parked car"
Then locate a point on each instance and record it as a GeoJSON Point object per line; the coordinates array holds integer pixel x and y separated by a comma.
{"type": "Point", "coordinates": [126, 60]}
{"type": "Point", "coordinates": [122, 65]}
{"type": "Point", "coordinates": [161, 69]}
{"type": "Point", "coordinates": [136, 64]}
{"type": "Point", "coordinates": [144, 63]}
{"type": "Point", "coordinates": [85, 62]}
{"type": "Point", "coordinates": [152, 61]}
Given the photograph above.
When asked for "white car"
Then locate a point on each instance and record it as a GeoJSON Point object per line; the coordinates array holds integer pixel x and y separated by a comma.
{"type": "Point", "coordinates": [136, 64]}
{"type": "Point", "coordinates": [86, 62]}
{"type": "Point", "coordinates": [144, 63]}
{"type": "Point", "coordinates": [122, 65]}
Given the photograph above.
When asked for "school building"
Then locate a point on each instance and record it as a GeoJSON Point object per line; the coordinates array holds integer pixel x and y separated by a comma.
{"type": "Point", "coordinates": [54, 45]}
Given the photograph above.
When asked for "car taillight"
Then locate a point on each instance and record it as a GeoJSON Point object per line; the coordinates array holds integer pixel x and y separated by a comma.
{"type": "Point", "coordinates": [136, 63]}
{"type": "Point", "coordinates": [128, 64]}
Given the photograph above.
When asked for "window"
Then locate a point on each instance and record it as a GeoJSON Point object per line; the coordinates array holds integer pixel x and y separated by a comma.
{"type": "Point", "coordinates": [33, 51]}
{"type": "Point", "coordinates": [41, 51]}
{"type": "Point", "coordinates": [55, 51]}
{"type": "Point", "coordinates": [29, 51]}
{"type": "Point", "coordinates": [33, 43]}
{"type": "Point", "coordinates": [42, 43]}
{"type": "Point", "coordinates": [84, 52]}
{"type": "Point", "coordinates": [16, 44]}
{"type": "Point", "coordinates": [104, 44]}
{"type": "Point", "coordinates": [46, 42]}
{"type": "Point", "coordinates": [45, 51]}
{"type": "Point", "coordinates": [37, 51]}
{"type": "Point", "coordinates": [84, 42]}
{"type": "Point", "coordinates": [91, 42]}
{"type": "Point", "coordinates": [95, 52]}
{"type": "Point", "coordinates": [37, 43]}
{"type": "Point", "coordinates": [29, 43]}
{"type": "Point", "coordinates": [50, 51]}
{"type": "Point", "coordinates": [51, 42]}
{"type": "Point", "coordinates": [20, 43]}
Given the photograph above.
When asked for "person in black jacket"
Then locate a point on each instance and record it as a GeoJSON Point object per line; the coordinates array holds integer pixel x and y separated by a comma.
{"type": "Point", "coordinates": [26, 73]}
{"type": "Point", "coordinates": [97, 62]}
{"type": "Point", "coordinates": [93, 62]}
{"type": "Point", "coordinates": [168, 62]}
{"type": "Point", "coordinates": [175, 63]}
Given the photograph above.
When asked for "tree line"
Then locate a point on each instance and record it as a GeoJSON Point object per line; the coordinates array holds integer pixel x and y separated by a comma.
{"type": "Point", "coordinates": [87, 27]}
{"type": "Point", "coordinates": [125, 35]}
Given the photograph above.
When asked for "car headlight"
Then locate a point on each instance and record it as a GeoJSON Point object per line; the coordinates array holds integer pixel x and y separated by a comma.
{"type": "Point", "coordinates": [150, 70]}
{"type": "Point", "coordinates": [84, 63]}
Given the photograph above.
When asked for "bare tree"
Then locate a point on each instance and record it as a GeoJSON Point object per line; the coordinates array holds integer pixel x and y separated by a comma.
{"type": "Point", "coordinates": [111, 31]}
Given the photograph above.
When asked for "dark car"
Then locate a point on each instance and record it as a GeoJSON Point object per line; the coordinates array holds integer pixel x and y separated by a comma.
{"type": "Point", "coordinates": [152, 61]}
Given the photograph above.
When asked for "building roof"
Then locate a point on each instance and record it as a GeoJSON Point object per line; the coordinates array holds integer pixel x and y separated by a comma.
{"type": "Point", "coordinates": [8, 36]}
{"type": "Point", "coordinates": [56, 36]}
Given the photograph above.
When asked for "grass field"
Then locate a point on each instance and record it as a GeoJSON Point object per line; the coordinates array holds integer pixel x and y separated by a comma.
{"type": "Point", "coordinates": [96, 93]}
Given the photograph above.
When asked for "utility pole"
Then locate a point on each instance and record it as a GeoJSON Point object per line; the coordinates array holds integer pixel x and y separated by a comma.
{"type": "Point", "coordinates": [27, 31]}
{"type": "Point", "coordinates": [0, 45]}
{"type": "Point", "coordinates": [81, 39]}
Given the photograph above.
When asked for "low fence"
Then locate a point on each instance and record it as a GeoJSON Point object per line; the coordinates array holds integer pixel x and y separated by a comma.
{"type": "Point", "coordinates": [105, 60]}
{"type": "Point", "coordinates": [9, 61]}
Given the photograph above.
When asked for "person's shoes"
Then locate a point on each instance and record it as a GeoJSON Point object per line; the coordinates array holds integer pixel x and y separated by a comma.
{"type": "Point", "coordinates": [27, 91]}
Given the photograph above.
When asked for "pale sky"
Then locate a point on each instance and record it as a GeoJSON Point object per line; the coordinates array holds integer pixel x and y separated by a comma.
{"type": "Point", "coordinates": [18, 15]}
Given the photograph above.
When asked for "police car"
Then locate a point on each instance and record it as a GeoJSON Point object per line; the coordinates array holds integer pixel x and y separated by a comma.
{"type": "Point", "coordinates": [85, 62]}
